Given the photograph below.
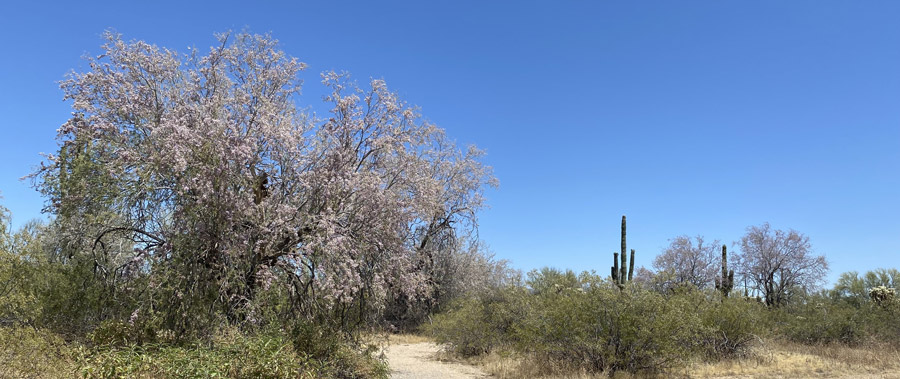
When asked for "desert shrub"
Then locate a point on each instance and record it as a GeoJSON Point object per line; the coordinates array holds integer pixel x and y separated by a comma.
{"type": "Point", "coordinates": [20, 274]}
{"type": "Point", "coordinates": [820, 320]}
{"type": "Point", "coordinates": [731, 325]}
{"type": "Point", "coordinates": [601, 328]}
{"type": "Point", "coordinates": [549, 279]}
{"type": "Point", "coordinates": [230, 354]}
{"type": "Point", "coordinates": [857, 288]}
{"type": "Point", "coordinates": [27, 352]}
{"type": "Point", "coordinates": [478, 325]}
{"type": "Point", "coordinates": [570, 322]}
{"type": "Point", "coordinates": [113, 333]}
{"type": "Point", "coordinates": [18, 302]}
{"type": "Point", "coordinates": [882, 321]}
{"type": "Point", "coordinates": [315, 340]}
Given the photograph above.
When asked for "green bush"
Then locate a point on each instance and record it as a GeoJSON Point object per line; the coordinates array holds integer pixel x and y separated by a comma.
{"type": "Point", "coordinates": [475, 326]}
{"type": "Point", "coordinates": [820, 320]}
{"type": "Point", "coordinates": [601, 328]}
{"type": "Point", "coordinates": [584, 324]}
{"type": "Point", "coordinates": [731, 325]}
{"type": "Point", "coordinates": [26, 352]}
{"type": "Point", "coordinates": [231, 355]}
{"type": "Point", "coordinates": [882, 321]}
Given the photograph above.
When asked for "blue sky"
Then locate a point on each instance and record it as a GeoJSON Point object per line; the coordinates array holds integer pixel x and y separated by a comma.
{"type": "Point", "coordinates": [690, 117]}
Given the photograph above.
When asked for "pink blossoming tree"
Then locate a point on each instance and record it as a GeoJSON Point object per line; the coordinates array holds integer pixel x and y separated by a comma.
{"type": "Point", "coordinates": [223, 186]}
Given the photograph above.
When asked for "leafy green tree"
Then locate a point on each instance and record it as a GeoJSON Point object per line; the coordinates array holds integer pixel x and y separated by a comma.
{"type": "Point", "coordinates": [855, 288]}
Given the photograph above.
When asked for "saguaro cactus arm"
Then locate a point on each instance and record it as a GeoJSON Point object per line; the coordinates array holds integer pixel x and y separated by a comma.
{"type": "Point", "coordinates": [615, 270]}
{"type": "Point", "coordinates": [631, 266]}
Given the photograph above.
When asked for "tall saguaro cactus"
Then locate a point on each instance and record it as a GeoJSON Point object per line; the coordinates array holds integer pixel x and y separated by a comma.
{"type": "Point", "coordinates": [726, 282]}
{"type": "Point", "coordinates": [624, 273]}
{"type": "Point", "coordinates": [623, 252]}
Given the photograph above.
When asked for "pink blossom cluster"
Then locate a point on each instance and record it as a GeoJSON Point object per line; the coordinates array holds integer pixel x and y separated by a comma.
{"type": "Point", "coordinates": [211, 156]}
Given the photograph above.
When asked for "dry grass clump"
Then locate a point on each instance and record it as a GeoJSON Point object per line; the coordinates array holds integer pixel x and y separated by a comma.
{"type": "Point", "coordinates": [769, 359]}
{"type": "Point", "coordinates": [505, 365]}
{"type": "Point", "coordinates": [780, 359]}
{"type": "Point", "coordinates": [405, 338]}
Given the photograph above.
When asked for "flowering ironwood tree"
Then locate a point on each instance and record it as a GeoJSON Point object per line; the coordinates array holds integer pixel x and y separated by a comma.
{"type": "Point", "coordinates": [689, 260]}
{"type": "Point", "coordinates": [223, 186]}
{"type": "Point", "coordinates": [779, 263]}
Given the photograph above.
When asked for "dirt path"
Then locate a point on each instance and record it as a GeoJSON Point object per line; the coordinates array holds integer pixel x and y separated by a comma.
{"type": "Point", "coordinates": [416, 360]}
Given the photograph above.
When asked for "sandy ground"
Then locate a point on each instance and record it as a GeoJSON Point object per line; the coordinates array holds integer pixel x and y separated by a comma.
{"type": "Point", "coordinates": [416, 360]}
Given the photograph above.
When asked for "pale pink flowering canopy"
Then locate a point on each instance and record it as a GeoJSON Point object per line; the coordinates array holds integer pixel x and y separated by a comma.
{"type": "Point", "coordinates": [211, 157]}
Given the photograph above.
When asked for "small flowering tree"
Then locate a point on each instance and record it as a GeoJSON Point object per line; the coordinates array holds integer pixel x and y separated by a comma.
{"type": "Point", "coordinates": [690, 261]}
{"type": "Point", "coordinates": [779, 263]}
{"type": "Point", "coordinates": [223, 187]}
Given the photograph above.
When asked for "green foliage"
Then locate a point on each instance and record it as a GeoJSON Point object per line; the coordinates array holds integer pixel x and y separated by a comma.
{"type": "Point", "coordinates": [19, 302]}
{"type": "Point", "coordinates": [602, 329]}
{"type": "Point", "coordinates": [26, 352]}
{"type": "Point", "coordinates": [316, 341]}
{"type": "Point", "coordinates": [855, 288]}
{"type": "Point", "coordinates": [587, 323]}
{"type": "Point", "coordinates": [40, 353]}
{"type": "Point", "coordinates": [882, 321]}
{"type": "Point", "coordinates": [551, 279]}
{"type": "Point", "coordinates": [231, 354]}
{"type": "Point", "coordinates": [475, 326]}
{"type": "Point", "coordinates": [731, 326]}
{"type": "Point", "coordinates": [821, 320]}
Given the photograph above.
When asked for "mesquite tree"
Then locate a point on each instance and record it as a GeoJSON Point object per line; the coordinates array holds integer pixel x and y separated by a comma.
{"type": "Point", "coordinates": [206, 164]}
{"type": "Point", "coordinates": [779, 263]}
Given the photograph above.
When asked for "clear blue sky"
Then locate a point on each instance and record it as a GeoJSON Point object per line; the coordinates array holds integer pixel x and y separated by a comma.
{"type": "Point", "coordinates": [690, 117]}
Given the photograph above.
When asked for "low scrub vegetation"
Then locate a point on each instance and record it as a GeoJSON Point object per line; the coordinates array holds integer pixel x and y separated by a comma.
{"type": "Point", "coordinates": [202, 223]}
{"type": "Point", "coordinates": [26, 352]}
{"type": "Point", "coordinates": [590, 324]}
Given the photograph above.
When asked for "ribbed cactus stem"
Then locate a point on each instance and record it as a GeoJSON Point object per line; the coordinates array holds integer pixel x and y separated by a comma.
{"type": "Point", "coordinates": [624, 267]}
{"type": "Point", "coordinates": [726, 282]}
{"type": "Point", "coordinates": [724, 264]}
{"type": "Point", "coordinates": [616, 267]}
{"type": "Point", "coordinates": [631, 266]}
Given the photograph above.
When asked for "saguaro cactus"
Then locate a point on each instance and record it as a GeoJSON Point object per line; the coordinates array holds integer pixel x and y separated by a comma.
{"type": "Point", "coordinates": [631, 266]}
{"type": "Point", "coordinates": [726, 282]}
{"type": "Point", "coordinates": [615, 268]}
{"type": "Point", "coordinates": [624, 273]}
{"type": "Point", "coordinates": [623, 252]}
